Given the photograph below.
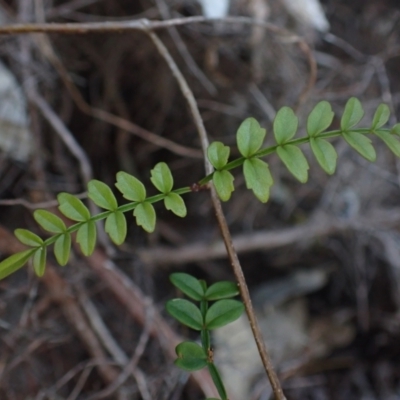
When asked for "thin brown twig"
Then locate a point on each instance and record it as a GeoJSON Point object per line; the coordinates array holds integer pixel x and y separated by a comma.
{"type": "Point", "coordinates": [119, 122]}
{"type": "Point", "coordinates": [318, 226]}
{"type": "Point", "coordinates": [60, 292]}
{"type": "Point", "coordinates": [187, 93]}
{"type": "Point", "coordinates": [244, 292]}
{"type": "Point", "coordinates": [66, 136]}
{"type": "Point", "coordinates": [130, 365]}
{"type": "Point", "coordinates": [69, 7]}
{"type": "Point", "coordinates": [146, 25]}
{"type": "Point", "coordinates": [80, 384]}
{"type": "Point", "coordinates": [35, 206]}
{"type": "Point", "coordinates": [99, 326]}
{"type": "Point", "coordinates": [237, 269]}
{"type": "Point", "coordinates": [183, 50]}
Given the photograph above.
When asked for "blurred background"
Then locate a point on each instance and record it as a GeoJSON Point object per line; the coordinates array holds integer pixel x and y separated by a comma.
{"type": "Point", "coordinates": [322, 259]}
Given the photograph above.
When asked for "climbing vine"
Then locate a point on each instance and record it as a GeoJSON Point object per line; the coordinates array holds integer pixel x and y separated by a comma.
{"type": "Point", "coordinates": [250, 138]}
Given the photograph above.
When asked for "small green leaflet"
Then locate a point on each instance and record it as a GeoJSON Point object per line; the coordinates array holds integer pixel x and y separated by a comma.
{"type": "Point", "coordinates": [28, 238]}
{"type": "Point", "coordinates": [188, 285]}
{"type": "Point", "coordinates": [102, 195]}
{"type": "Point", "coordinates": [295, 161]}
{"type": "Point", "coordinates": [352, 115]}
{"type": "Point", "coordinates": [361, 144]}
{"type": "Point", "coordinates": [116, 227]}
{"type": "Point", "coordinates": [145, 216]}
{"type": "Point", "coordinates": [320, 118]}
{"type": "Point", "coordinates": [14, 262]}
{"type": "Point", "coordinates": [218, 154]}
{"type": "Point", "coordinates": [325, 154]}
{"type": "Point", "coordinates": [62, 248]}
{"type": "Point", "coordinates": [191, 356]}
{"type": "Point", "coordinates": [222, 290]}
{"type": "Point", "coordinates": [49, 222]}
{"type": "Point", "coordinates": [391, 141]}
{"type": "Point", "coordinates": [72, 207]}
{"type": "Point", "coordinates": [174, 202]}
{"type": "Point", "coordinates": [130, 187]}
{"type": "Point", "coordinates": [381, 117]}
{"type": "Point", "coordinates": [396, 130]}
{"type": "Point", "coordinates": [223, 312]}
{"type": "Point", "coordinates": [258, 178]}
{"type": "Point", "coordinates": [161, 178]}
{"type": "Point", "coordinates": [86, 237]}
{"type": "Point", "coordinates": [186, 313]}
{"type": "Point", "coordinates": [223, 182]}
{"type": "Point", "coordinates": [285, 125]}
{"type": "Point", "coordinates": [250, 137]}
{"type": "Point", "coordinates": [39, 261]}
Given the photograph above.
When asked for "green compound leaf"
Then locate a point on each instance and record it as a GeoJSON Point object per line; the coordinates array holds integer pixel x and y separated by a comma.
{"type": "Point", "coordinates": [188, 285]}
{"type": "Point", "coordinates": [62, 248]}
{"type": "Point", "coordinates": [325, 154]}
{"type": "Point", "coordinates": [223, 312]}
{"type": "Point", "coordinates": [175, 203]}
{"type": "Point", "coordinates": [39, 261]}
{"type": "Point", "coordinates": [352, 115]}
{"type": "Point", "coordinates": [116, 227]}
{"type": "Point", "coordinates": [14, 262]}
{"type": "Point", "coordinates": [130, 187]}
{"type": "Point", "coordinates": [223, 182]}
{"type": "Point", "coordinates": [250, 137]}
{"type": "Point", "coordinates": [381, 116]}
{"type": "Point", "coordinates": [86, 237]}
{"type": "Point", "coordinates": [295, 161]}
{"type": "Point", "coordinates": [216, 377]}
{"type": "Point", "coordinates": [319, 119]}
{"type": "Point", "coordinates": [102, 195]}
{"type": "Point", "coordinates": [145, 216]}
{"type": "Point", "coordinates": [28, 238]}
{"type": "Point", "coordinates": [390, 140]}
{"type": "Point", "coordinates": [72, 207]}
{"type": "Point", "coordinates": [186, 313]}
{"type": "Point", "coordinates": [218, 154]}
{"type": "Point", "coordinates": [191, 356]}
{"type": "Point", "coordinates": [49, 222]}
{"type": "Point", "coordinates": [396, 129]}
{"type": "Point", "coordinates": [222, 290]}
{"type": "Point", "coordinates": [161, 177]}
{"type": "Point", "coordinates": [258, 178]}
{"type": "Point", "coordinates": [285, 125]}
{"type": "Point", "coordinates": [361, 144]}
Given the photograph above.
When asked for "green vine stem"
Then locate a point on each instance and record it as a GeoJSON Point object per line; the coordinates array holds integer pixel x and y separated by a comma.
{"type": "Point", "coordinates": [250, 137]}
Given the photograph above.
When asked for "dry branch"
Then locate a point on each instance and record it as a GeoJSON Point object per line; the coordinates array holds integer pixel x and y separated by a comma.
{"type": "Point", "coordinates": [319, 226]}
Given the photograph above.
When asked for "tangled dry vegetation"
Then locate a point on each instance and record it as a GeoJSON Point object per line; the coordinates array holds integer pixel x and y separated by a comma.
{"type": "Point", "coordinates": [81, 106]}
